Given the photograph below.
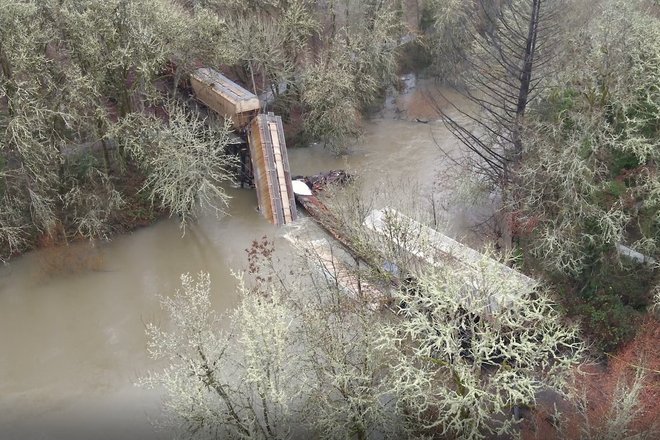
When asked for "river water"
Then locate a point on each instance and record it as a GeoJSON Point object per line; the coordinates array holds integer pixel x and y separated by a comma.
{"type": "Point", "coordinates": [72, 339]}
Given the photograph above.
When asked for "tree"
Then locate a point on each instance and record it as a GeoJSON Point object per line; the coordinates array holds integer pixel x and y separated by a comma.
{"type": "Point", "coordinates": [288, 365]}
{"type": "Point", "coordinates": [61, 93]}
{"type": "Point", "coordinates": [328, 90]}
{"type": "Point", "coordinates": [474, 341]}
{"type": "Point", "coordinates": [303, 352]}
{"type": "Point", "coordinates": [511, 44]}
{"type": "Point", "coordinates": [132, 41]}
{"type": "Point", "coordinates": [184, 159]}
{"type": "Point", "coordinates": [202, 36]}
{"type": "Point", "coordinates": [617, 400]}
{"type": "Point", "coordinates": [40, 118]}
{"type": "Point", "coordinates": [260, 47]}
{"type": "Point", "coordinates": [70, 73]}
{"type": "Point", "coordinates": [211, 388]}
{"type": "Point", "coordinates": [590, 184]}
{"type": "Point", "coordinates": [447, 28]}
{"type": "Point", "coordinates": [599, 141]}
{"type": "Point", "coordinates": [298, 357]}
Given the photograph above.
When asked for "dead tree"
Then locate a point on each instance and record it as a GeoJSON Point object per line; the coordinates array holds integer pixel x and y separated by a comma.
{"type": "Point", "coordinates": [512, 42]}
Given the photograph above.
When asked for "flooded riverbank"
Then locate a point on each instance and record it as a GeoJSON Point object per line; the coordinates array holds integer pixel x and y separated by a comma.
{"type": "Point", "coordinates": [73, 344]}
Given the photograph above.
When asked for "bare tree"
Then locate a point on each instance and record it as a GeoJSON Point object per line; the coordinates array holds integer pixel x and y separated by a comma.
{"type": "Point", "coordinates": [512, 43]}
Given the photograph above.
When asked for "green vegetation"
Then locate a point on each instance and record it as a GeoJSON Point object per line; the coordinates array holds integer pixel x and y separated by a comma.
{"type": "Point", "coordinates": [591, 178]}
{"type": "Point", "coordinates": [98, 135]}
{"type": "Point", "coordinates": [91, 116]}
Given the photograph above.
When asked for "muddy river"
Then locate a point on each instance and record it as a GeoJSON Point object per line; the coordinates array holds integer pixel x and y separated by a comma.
{"type": "Point", "coordinates": [72, 337]}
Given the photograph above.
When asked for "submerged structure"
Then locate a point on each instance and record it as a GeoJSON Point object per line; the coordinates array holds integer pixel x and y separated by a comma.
{"type": "Point", "coordinates": [435, 248]}
{"type": "Point", "coordinates": [265, 164]}
{"type": "Point", "coordinates": [332, 263]}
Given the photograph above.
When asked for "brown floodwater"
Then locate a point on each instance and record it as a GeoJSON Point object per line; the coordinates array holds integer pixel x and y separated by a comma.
{"type": "Point", "coordinates": [72, 339]}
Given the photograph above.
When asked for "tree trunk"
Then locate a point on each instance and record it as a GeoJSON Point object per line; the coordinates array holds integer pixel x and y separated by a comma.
{"type": "Point", "coordinates": [526, 77]}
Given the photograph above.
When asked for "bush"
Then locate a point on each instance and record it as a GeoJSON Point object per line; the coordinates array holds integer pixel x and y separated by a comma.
{"type": "Point", "coordinates": [607, 321]}
{"type": "Point", "coordinates": [609, 301]}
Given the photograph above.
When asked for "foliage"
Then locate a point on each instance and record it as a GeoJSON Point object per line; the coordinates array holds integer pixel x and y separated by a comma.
{"type": "Point", "coordinates": [184, 160]}
{"type": "Point", "coordinates": [611, 302]}
{"type": "Point", "coordinates": [131, 42]}
{"type": "Point", "coordinates": [357, 63]}
{"type": "Point", "coordinates": [482, 343]}
{"type": "Point", "coordinates": [589, 180]}
{"type": "Point", "coordinates": [298, 25]}
{"type": "Point", "coordinates": [90, 203]}
{"type": "Point", "coordinates": [71, 72]}
{"type": "Point", "coordinates": [260, 44]}
{"type": "Point", "coordinates": [373, 48]}
{"type": "Point", "coordinates": [211, 390]}
{"type": "Point", "coordinates": [202, 37]}
{"type": "Point", "coordinates": [613, 401]}
{"type": "Point", "coordinates": [282, 366]}
{"type": "Point", "coordinates": [656, 299]}
{"type": "Point", "coordinates": [447, 26]}
{"type": "Point", "coordinates": [303, 352]}
{"type": "Point", "coordinates": [608, 137]}
{"type": "Point", "coordinates": [39, 116]}
{"type": "Point", "coordinates": [328, 90]}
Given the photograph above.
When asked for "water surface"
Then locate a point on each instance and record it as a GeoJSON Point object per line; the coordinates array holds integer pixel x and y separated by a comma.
{"type": "Point", "coordinates": [72, 337]}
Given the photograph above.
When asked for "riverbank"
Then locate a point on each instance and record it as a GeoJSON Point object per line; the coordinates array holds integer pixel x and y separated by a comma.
{"type": "Point", "coordinates": [136, 211]}
{"type": "Point", "coordinates": [415, 101]}
{"type": "Point", "coordinates": [75, 339]}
